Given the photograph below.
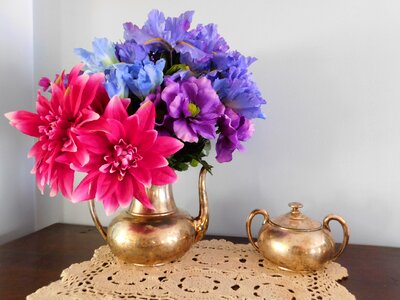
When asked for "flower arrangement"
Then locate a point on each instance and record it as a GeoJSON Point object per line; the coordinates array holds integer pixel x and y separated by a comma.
{"type": "Point", "coordinates": [135, 111]}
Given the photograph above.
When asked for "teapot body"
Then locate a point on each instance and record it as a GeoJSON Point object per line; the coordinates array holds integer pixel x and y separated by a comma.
{"type": "Point", "coordinates": [150, 240]}
{"type": "Point", "coordinates": [151, 237]}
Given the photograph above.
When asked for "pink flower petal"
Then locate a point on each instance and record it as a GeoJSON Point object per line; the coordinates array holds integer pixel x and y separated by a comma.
{"type": "Point", "coordinates": [42, 104]}
{"type": "Point", "coordinates": [106, 185]}
{"type": "Point", "coordinates": [95, 143]}
{"type": "Point", "coordinates": [124, 191]}
{"type": "Point", "coordinates": [88, 116]}
{"type": "Point", "coordinates": [152, 160]}
{"type": "Point", "coordinates": [139, 192]}
{"type": "Point", "coordinates": [53, 186]}
{"type": "Point", "coordinates": [75, 72]}
{"type": "Point", "coordinates": [115, 110]}
{"type": "Point", "coordinates": [25, 121]}
{"type": "Point", "coordinates": [142, 175]}
{"type": "Point", "coordinates": [73, 96]}
{"type": "Point", "coordinates": [36, 149]}
{"type": "Point", "coordinates": [147, 115]}
{"type": "Point", "coordinates": [116, 131]}
{"type": "Point", "coordinates": [162, 176]}
{"type": "Point", "coordinates": [80, 157]}
{"type": "Point", "coordinates": [40, 184]}
{"type": "Point", "coordinates": [145, 140]}
{"type": "Point", "coordinates": [131, 125]}
{"type": "Point", "coordinates": [166, 145]}
{"type": "Point", "coordinates": [86, 189]}
{"type": "Point", "coordinates": [101, 124]}
{"type": "Point", "coordinates": [65, 180]}
{"type": "Point", "coordinates": [89, 91]}
{"type": "Point", "coordinates": [110, 204]}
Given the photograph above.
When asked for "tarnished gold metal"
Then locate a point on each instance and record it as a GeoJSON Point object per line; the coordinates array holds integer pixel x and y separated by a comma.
{"type": "Point", "coordinates": [295, 242]}
{"type": "Point", "coordinates": [250, 220]}
{"type": "Point", "coordinates": [154, 237]}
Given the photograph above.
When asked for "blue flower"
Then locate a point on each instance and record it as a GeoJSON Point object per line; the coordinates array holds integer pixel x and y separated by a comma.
{"type": "Point", "coordinates": [103, 55]}
{"type": "Point", "coordinates": [114, 83]}
{"type": "Point", "coordinates": [140, 78]}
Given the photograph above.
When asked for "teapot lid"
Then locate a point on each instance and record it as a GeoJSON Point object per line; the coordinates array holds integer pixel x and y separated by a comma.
{"type": "Point", "coordinates": [296, 219]}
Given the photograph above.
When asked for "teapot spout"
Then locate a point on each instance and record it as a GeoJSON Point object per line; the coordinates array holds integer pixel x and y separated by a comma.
{"type": "Point", "coordinates": [201, 221]}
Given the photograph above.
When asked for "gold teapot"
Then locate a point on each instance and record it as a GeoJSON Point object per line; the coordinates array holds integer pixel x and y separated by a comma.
{"type": "Point", "coordinates": [154, 237]}
{"type": "Point", "coordinates": [294, 241]}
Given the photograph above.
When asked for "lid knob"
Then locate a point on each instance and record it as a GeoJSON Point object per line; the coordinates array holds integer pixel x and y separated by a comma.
{"type": "Point", "coordinates": [295, 208]}
{"type": "Point", "coordinates": [295, 205]}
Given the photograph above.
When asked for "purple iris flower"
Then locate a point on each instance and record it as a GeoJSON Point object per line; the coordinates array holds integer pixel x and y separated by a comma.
{"type": "Point", "coordinates": [234, 130]}
{"type": "Point", "coordinates": [206, 39]}
{"type": "Point", "coordinates": [160, 33]}
{"type": "Point", "coordinates": [194, 107]}
{"type": "Point", "coordinates": [130, 52]}
{"type": "Point", "coordinates": [224, 62]}
{"type": "Point", "coordinates": [159, 29]}
{"type": "Point", "coordinates": [240, 93]}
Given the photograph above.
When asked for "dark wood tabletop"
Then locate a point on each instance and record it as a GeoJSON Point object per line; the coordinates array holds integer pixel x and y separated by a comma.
{"type": "Point", "coordinates": [37, 259]}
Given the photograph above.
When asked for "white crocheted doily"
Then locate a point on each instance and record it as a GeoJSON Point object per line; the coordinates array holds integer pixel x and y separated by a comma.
{"type": "Point", "coordinates": [214, 269]}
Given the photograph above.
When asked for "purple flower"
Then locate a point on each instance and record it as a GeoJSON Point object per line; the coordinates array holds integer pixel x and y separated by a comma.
{"type": "Point", "coordinates": [160, 33]}
{"type": "Point", "coordinates": [234, 129]}
{"type": "Point", "coordinates": [240, 93]}
{"type": "Point", "coordinates": [130, 52]}
{"type": "Point", "coordinates": [224, 62]}
{"type": "Point", "coordinates": [208, 41]}
{"type": "Point", "coordinates": [157, 29]}
{"type": "Point", "coordinates": [194, 107]}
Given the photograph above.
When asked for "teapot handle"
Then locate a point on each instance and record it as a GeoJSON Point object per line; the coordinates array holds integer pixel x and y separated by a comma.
{"type": "Point", "coordinates": [96, 220]}
{"type": "Point", "coordinates": [248, 224]}
{"type": "Point", "coordinates": [201, 221]}
{"type": "Point", "coordinates": [345, 228]}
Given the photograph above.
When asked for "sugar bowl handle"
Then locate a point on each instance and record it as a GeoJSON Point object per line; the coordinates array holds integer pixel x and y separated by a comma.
{"type": "Point", "coordinates": [248, 224]}
{"type": "Point", "coordinates": [345, 228]}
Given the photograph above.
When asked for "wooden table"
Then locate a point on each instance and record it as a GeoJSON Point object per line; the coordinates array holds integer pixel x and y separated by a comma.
{"type": "Point", "coordinates": [37, 259]}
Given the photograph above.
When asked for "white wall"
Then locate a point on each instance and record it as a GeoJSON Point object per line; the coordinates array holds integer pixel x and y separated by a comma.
{"type": "Point", "coordinates": [330, 71]}
{"type": "Point", "coordinates": [17, 195]}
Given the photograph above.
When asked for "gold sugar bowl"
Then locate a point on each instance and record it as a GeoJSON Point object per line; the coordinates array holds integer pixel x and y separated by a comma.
{"type": "Point", "coordinates": [294, 241]}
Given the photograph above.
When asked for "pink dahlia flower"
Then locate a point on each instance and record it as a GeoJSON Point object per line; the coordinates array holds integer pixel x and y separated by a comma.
{"type": "Point", "coordinates": [126, 156]}
{"type": "Point", "coordinates": [55, 125]}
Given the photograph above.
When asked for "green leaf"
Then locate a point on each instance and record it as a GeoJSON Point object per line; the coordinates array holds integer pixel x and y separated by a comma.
{"type": "Point", "coordinates": [192, 154]}
{"type": "Point", "coordinates": [194, 162]}
{"type": "Point", "coordinates": [176, 68]}
{"type": "Point", "coordinates": [206, 148]}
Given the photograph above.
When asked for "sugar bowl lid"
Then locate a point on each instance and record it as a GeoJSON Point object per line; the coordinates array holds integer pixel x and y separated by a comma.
{"type": "Point", "coordinates": [296, 219]}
